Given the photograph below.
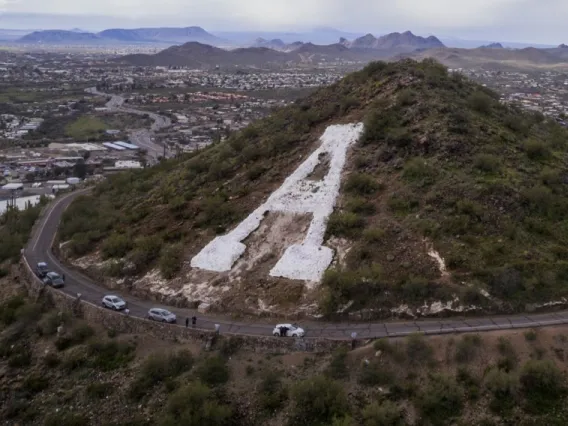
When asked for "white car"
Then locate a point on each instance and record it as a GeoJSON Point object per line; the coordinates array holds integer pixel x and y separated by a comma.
{"type": "Point", "coordinates": [161, 315]}
{"type": "Point", "coordinates": [291, 330]}
{"type": "Point", "coordinates": [114, 302]}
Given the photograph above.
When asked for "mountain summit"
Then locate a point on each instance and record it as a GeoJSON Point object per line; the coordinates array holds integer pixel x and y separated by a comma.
{"type": "Point", "coordinates": [396, 41]}
{"type": "Point", "coordinates": [402, 189]}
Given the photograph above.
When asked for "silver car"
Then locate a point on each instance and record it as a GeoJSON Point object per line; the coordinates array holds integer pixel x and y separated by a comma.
{"type": "Point", "coordinates": [54, 279]}
{"type": "Point", "coordinates": [162, 315]}
{"type": "Point", "coordinates": [113, 302]}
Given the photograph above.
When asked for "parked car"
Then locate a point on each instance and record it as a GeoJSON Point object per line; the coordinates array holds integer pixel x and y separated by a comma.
{"type": "Point", "coordinates": [113, 302]}
{"type": "Point", "coordinates": [162, 315]}
{"type": "Point", "coordinates": [54, 279]}
{"type": "Point", "coordinates": [42, 269]}
{"type": "Point", "coordinates": [291, 330]}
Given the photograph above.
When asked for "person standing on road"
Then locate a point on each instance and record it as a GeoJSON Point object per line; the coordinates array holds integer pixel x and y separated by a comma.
{"type": "Point", "coordinates": [193, 321]}
{"type": "Point", "coordinates": [217, 328]}
{"type": "Point", "coordinates": [353, 341]}
{"type": "Point", "coordinates": [127, 311]}
{"type": "Point", "coordinates": [187, 322]}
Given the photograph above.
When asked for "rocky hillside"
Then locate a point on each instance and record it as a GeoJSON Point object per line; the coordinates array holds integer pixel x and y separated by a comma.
{"type": "Point", "coordinates": [58, 370]}
{"type": "Point", "coordinates": [449, 201]}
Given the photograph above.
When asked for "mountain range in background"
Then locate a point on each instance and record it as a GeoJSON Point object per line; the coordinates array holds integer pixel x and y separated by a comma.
{"type": "Point", "coordinates": [163, 35]}
{"type": "Point", "coordinates": [276, 51]}
{"type": "Point", "coordinates": [174, 35]}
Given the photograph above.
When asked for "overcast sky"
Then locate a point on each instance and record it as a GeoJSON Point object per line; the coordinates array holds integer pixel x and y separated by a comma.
{"type": "Point", "coordinates": [538, 21]}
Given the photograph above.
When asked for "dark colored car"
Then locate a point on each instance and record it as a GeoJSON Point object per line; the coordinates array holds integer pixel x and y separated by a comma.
{"type": "Point", "coordinates": [54, 279]}
{"type": "Point", "coordinates": [41, 269]}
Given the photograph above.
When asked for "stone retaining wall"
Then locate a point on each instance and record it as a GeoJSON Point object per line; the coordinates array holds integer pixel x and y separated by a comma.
{"type": "Point", "coordinates": [133, 325]}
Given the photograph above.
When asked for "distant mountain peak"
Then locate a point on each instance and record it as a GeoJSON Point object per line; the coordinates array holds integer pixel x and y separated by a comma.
{"type": "Point", "coordinates": [563, 46]}
{"type": "Point", "coordinates": [493, 46]}
{"type": "Point", "coordinates": [396, 41]}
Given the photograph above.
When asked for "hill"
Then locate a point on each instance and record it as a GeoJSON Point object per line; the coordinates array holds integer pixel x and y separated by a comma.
{"type": "Point", "coordinates": [195, 54]}
{"type": "Point", "coordinates": [120, 36]}
{"type": "Point", "coordinates": [449, 201]}
{"type": "Point", "coordinates": [58, 37]}
{"type": "Point", "coordinates": [199, 55]}
{"type": "Point", "coordinates": [396, 42]}
{"type": "Point", "coordinates": [493, 46]}
{"type": "Point", "coordinates": [527, 58]}
{"type": "Point", "coordinates": [84, 374]}
{"type": "Point", "coordinates": [162, 35]}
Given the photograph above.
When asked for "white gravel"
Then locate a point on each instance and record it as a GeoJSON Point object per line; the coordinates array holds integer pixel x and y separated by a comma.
{"type": "Point", "coordinates": [309, 260]}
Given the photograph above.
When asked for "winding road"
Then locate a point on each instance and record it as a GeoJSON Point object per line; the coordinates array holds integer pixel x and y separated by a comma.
{"type": "Point", "coordinates": [39, 249]}
{"type": "Point", "coordinates": [141, 137]}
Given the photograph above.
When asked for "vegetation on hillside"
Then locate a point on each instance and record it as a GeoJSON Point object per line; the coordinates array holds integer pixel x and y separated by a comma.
{"type": "Point", "coordinates": [443, 167]}
{"type": "Point", "coordinates": [15, 228]}
{"type": "Point", "coordinates": [85, 375]}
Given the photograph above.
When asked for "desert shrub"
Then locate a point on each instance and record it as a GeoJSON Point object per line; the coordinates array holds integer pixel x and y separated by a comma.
{"type": "Point", "coordinates": [20, 357]}
{"type": "Point", "coordinates": [418, 169]}
{"type": "Point", "coordinates": [467, 348]}
{"type": "Point", "coordinates": [418, 350]}
{"type": "Point", "coordinates": [171, 259]}
{"type": "Point", "coordinates": [539, 199]}
{"type": "Point", "coordinates": [35, 383]}
{"type": "Point", "coordinates": [385, 413]}
{"type": "Point", "coordinates": [536, 149]}
{"type": "Point", "coordinates": [116, 246]}
{"type": "Point", "coordinates": [272, 392]}
{"type": "Point", "coordinates": [111, 355]}
{"type": "Point", "coordinates": [504, 388]}
{"type": "Point", "coordinates": [99, 390]}
{"type": "Point", "coordinates": [509, 360]}
{"type": "Point", "coordinates": [550, 176]}
{"type": "Point", "coordinates": [9, 308]}
{"type": "Point", "coordinates": [216, 212]}
{"type": "Point", "coordinates": [359, 205]}
{"type": "Point", "coordinates": [145, 251]}
{"type": "Point", "coordinates": [374, 235]}
{"type": "Point", "coordinates": [213, 371]}
{"type": "Point", "coordinates": [337, 368]}
{"type": "Point", "coordinates": [74, 360]}
{"type": "Point", "coordinates": [469, 382]}
{"type": "Point", "coordinates": [344, 224]}
{"type": "Point", "coordinates": [403, 203]}
{"type": "Point", "coordinates": [256, 171]}
{"type": "Point", "coordinates": [230, 345]}
{"type": "Point", "coordinates": [530, 335]}
{"type": "Point", "coordinates": [373, 374]}
{"type": "Point", "coordinates": [406, 97]}
{"type": "Point", "coordinates": [195, 405]}
{"type": "Point", "coordinates": [488, 163]}
{"type": "Point", "coordinates": [157, 369]}
{"type": "Point", "coordinates": [362, 184]}
{"type": "Point", "coordinates": [77, 336]}
{"type": "Point", "coordinates": [51, 360]}
{"type": "Point", "coordinates": [317, 401]}
{"type": "Point", "coordinates": [542, 383]}
{"type": "Point", "coordinates": [480, 102]}
{"type": "Point", "coordinates": [440, 400]}
{"type": "Point", "coordinates": [399, 137]}
{"type": "Point", "coordinates": [62, 418]}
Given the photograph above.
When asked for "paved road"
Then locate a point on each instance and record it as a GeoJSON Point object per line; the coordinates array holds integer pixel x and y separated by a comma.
{"type": "Point", "coordinates": [141, 137]}
{"type": "Point", "coordinates": [39, 249]}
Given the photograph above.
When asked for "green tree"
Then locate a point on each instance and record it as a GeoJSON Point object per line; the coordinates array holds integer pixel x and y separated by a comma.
{"type": "Point", "coordinates": [195, 405]}
{"type": "Point", "coordinates": [318, 401]}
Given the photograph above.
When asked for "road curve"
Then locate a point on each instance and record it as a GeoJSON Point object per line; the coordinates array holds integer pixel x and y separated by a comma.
{"type": "Point", "coordinates": [39, 249]}
{"type": "Point", "coordinates": [140, 137]}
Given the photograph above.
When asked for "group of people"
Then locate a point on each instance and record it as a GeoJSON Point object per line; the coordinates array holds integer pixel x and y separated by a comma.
{"type": "Point", "coordinates": [283, 331]}
{"type": "Point", "coordinates": [193, 321]}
